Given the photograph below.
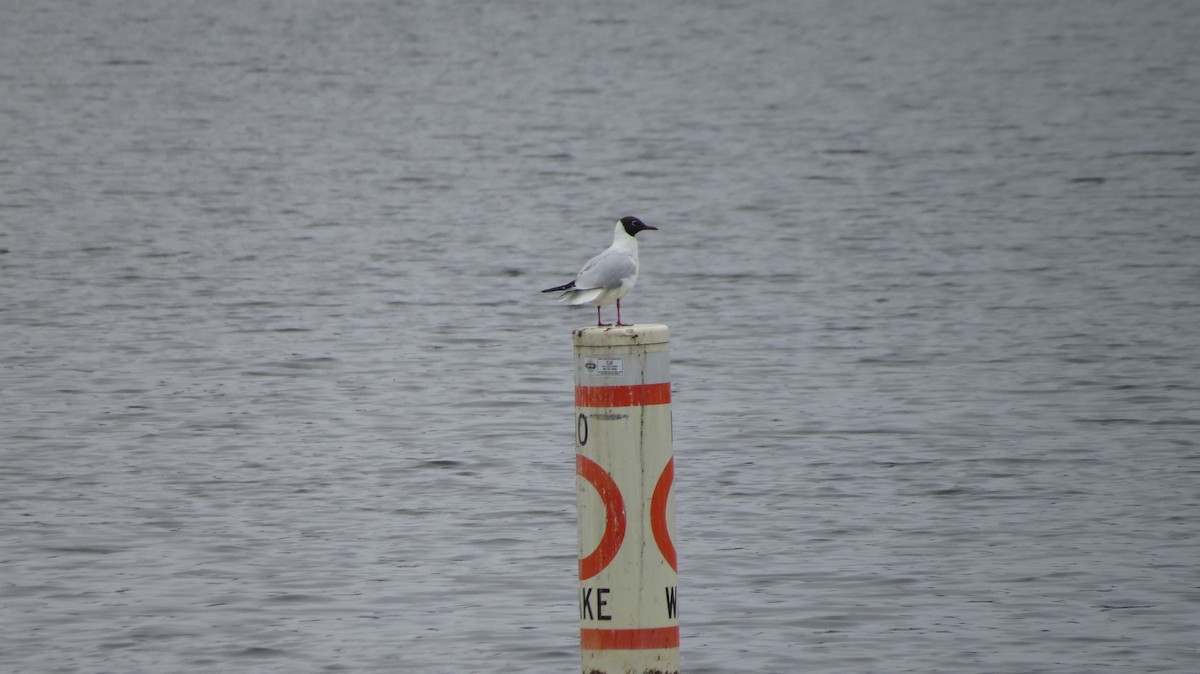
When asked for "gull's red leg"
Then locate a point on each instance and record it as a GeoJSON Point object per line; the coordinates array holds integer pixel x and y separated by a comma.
{"type": "Point", "coordinates": [619, 314]}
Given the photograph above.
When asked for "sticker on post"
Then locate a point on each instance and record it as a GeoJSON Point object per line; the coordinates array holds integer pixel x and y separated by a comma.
{"type": "Point", "coordinates": [603, 366]}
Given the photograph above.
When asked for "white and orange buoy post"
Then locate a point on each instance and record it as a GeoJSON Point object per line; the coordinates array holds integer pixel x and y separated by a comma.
{"type": "Point", "coordinates": [624, 466]}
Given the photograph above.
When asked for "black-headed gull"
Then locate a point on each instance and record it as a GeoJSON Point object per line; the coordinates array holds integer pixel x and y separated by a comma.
{"type": "Point", "coordinates": [609, 276]}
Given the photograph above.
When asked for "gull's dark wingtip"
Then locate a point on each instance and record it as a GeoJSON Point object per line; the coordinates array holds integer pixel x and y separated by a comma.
{"type": "Point", "coordinates": [566, 286]}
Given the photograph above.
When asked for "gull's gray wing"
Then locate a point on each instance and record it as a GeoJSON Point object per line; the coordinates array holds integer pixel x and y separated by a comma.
{"type": "Point", "coordinates": [607, 270]}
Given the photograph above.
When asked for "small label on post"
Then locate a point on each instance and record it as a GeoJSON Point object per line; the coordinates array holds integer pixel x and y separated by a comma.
{"type": "Point", "coordinates": [603, 366]}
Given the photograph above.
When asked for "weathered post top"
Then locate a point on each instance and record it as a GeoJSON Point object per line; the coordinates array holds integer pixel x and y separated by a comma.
{"type": "Point", "coordinates": [626, 335]}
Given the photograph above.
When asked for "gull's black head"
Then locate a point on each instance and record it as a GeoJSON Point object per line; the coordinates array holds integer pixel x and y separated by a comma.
{"type": "Point", "coordinates": [633, 225]}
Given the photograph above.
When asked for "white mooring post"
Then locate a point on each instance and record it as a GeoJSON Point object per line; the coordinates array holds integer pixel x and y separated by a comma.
{"type": "Point", "coordinates": [624, 469]}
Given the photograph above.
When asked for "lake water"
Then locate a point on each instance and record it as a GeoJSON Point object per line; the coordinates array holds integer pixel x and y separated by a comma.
{"type": "Point", "coordinates": [279, 392]}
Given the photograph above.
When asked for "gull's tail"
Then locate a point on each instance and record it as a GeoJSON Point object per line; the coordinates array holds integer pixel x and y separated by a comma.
{"type": "Point", "coordinates": [575, 296]}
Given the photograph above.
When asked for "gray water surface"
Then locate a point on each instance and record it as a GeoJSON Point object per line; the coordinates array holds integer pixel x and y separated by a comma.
{"type": "Point", "coordinates": [279, 394]}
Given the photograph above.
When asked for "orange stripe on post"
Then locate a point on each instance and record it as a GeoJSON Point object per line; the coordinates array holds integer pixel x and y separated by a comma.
{"type": "Point", "coordinates": [629, 640]}
{"type": "Point", "coordinates": [623, 396]}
